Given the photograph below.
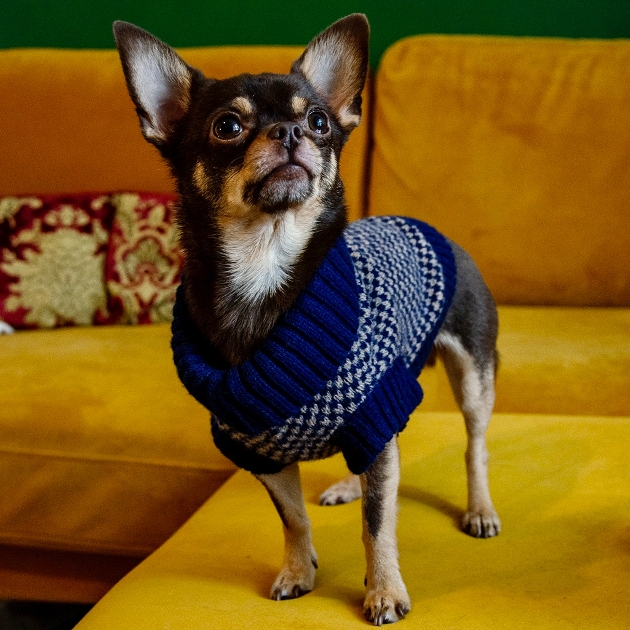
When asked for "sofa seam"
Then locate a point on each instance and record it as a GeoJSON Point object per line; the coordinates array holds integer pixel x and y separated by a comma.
{"type": "Point", "coordinates": [79, 545]}
{"type": "Point", "coordinates": [104, 459]}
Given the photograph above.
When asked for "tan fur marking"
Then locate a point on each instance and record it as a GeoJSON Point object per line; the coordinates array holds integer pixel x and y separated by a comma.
{"type": "Point", "coordinates": [299, 105]}
{"type": "Point", "coordinates": [201, 179]}
{"type": "Point", "coordinates": [262, 248]}
{"type": "Point", "coordinates": [347, 119]}
{"type": "Point", "coordinates": [331, 173]}
{"type": "Point", "coordinates": [243, 105]}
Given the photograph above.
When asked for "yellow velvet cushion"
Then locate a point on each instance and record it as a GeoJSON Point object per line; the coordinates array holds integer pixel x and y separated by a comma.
{"type": "Point", "coordinates": [517, 149]}
{"type": "Point", "coordinates": [553, 360]}
{"type": "Point", "coordinates": [101, 448]}
{"type": "Point", "coordinates": [559, 483]}
{"type": "Point", "coordinates": [104, 450]}
{"type": "Point", "coordinates": [67, 123]}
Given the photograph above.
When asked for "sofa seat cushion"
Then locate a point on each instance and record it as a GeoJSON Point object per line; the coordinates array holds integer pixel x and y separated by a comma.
{"type": "Point", "coordinates": [99, 438]}
{"type": "Point", "coordinates": [554, 360]}
{"type": "Point", "coordinates": [101, 448]}
{"type": "Point", "coordinates": [561, 561]}
{"type": "Point", "coordinates": [516, 148]}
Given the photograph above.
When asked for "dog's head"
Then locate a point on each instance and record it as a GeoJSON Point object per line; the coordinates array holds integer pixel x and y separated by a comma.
{"type": "Point", "coordinates": [251, 144]}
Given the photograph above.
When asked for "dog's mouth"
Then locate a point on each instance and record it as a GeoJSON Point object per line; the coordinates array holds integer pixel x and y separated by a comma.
{"type": "Point", "coordinates": [290, 172]}
{"type": "Point", "coordinates": [285, 186]}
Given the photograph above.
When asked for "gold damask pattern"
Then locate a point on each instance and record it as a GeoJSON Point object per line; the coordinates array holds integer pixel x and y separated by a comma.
{"type": "Point", "coordinates": [9, 207]}
{"type": "Point", "coordinates": [144, 260]}
{"type": "Point", "coordinates": [52, 256]}
{"type": "Point", "coordinates": [88, 259]}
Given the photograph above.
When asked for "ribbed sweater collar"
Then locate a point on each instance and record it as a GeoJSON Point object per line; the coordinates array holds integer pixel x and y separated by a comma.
{"type": "Point", "coordinates": [301, 354]}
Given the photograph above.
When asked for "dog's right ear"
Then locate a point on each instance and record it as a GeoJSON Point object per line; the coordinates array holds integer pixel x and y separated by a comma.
{"type": "Point", "coordinates": [336, 64]}
{"type": "Point", "coordinates": [158, 81]}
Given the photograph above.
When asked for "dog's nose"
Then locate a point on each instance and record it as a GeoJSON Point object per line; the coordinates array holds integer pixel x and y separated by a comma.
{"type": "Point", "coordinates": [288, 133]}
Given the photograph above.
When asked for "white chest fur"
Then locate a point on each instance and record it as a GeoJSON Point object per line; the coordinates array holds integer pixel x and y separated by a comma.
{"type": "Point", "coordinates": [262, 252]}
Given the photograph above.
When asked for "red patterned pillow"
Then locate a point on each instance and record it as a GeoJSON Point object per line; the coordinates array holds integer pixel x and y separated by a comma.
{"type": "Point", "coordinates": [143, 259]}
{"type": "Point", "coordinates": [52, 258]}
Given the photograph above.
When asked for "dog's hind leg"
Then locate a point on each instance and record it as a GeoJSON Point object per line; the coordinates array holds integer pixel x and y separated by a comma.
{"type": "Point", "coordinates": [473, 387]}
{"type": "Point", "coordinates": [467, 345]}
{"type": "Point", "coordinates": [386, 600]}
{"type": "Point", "coordinates": [297, 575]}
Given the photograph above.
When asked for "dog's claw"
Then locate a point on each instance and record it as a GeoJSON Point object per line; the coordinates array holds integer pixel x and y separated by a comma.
{"type": "Point", "coordinates": [297, 592]}
{"type": "Point", "coordinates": [401, 610]}
{"type": "Point", "coordinates": [280, 594]}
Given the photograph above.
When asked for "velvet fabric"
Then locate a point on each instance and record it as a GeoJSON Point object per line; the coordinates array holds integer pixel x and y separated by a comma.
{"type": "Point", "coordinates": [561, 561]}
{"type": "Point", "coordinates": [101, 448]}
{"type": "Point", "coordinates": [553, 360]}
{"type": "Point", "coordinates": [517, 149]}
{"type": "Point", "coordinates": [85, 383]}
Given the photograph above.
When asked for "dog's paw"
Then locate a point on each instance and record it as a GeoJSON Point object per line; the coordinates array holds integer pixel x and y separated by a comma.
{"type": "Point", "coordinates": [386, 605]}
{"type": "Point", "coordinates": [481, 524]}
{"type": "Point", "coordinates": [291, 584]}
{"type": "Point", "coordinates": [344, 491]}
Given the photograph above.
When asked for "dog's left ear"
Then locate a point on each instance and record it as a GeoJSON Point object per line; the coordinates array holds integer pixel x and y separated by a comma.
{"type": "Point", "coordinates": [336, 63]}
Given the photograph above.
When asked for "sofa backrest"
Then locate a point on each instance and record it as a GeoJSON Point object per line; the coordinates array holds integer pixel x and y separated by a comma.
{"type": "Point", "coordinates": [518, 149]}
{"type": "Point", "coordinates": [67, 124]}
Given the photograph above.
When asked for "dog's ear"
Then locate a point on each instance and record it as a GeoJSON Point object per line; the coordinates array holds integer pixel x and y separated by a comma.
{"type": "Point", "coordinates": [158, 81]}
{"type": "Point", "coordinates": [336, 63]}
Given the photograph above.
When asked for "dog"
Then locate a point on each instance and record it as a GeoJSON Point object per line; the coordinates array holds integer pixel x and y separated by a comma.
{"type": "Point", "coordinates": [268, 252]}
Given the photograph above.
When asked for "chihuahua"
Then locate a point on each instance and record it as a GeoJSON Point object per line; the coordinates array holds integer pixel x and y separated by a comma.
{"type": "Point", "coordinates": [256, 162]}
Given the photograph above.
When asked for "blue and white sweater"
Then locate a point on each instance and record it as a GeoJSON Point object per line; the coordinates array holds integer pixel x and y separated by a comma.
{"type": "Point", "coordinates": [339, 370]}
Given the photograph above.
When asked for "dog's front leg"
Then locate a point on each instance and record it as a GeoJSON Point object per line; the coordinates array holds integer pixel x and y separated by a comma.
{"type": "Point", "coordinates": [387, 600]}
{"type": "Point", "coordinates": [297, 576]}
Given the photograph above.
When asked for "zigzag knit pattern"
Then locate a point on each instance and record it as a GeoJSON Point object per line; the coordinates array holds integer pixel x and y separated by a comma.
{"type": "Point", "coordinates": [339, 371]}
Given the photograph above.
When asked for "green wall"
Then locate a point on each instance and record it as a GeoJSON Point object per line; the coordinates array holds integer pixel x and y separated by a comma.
{"type": "Point", "coordinates": [87, 23]}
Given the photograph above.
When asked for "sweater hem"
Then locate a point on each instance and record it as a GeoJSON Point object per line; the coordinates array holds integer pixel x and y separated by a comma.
{"type": "Point", "coordinates": [380, 417]}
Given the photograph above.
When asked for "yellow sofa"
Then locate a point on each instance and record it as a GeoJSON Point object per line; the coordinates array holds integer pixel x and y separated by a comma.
{"type": "Point", "coordinates": [516, 148]}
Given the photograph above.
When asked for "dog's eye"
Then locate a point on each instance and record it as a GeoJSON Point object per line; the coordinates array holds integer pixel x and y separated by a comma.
{"type": "Point", "coordinates": [227, 127]}
{"type": "Point", "coordinates": [318, 122]}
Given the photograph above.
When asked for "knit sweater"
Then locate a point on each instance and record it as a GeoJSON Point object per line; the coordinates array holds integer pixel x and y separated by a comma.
{"type": "Point", "coordinates": [339, 370]}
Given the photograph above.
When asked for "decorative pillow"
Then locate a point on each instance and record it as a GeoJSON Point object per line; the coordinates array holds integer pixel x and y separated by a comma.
{"type": "Point", "coordinates": [52, 258]}
{"type": "Point", "coordinates": [144, 260]}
